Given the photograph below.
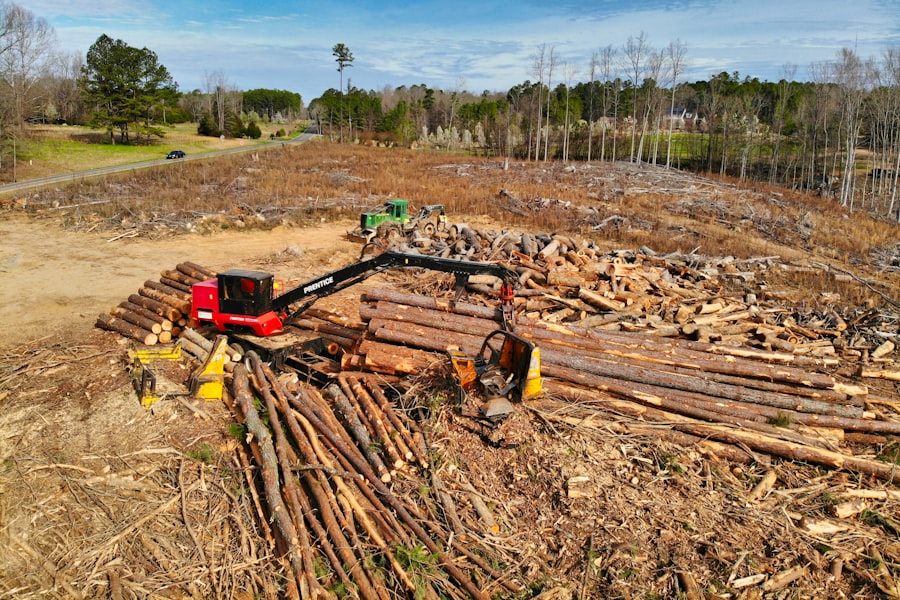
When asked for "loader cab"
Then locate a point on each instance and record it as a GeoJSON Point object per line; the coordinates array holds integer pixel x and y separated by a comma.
{"type": "Point", "coordinates": [237, 298]}
{"type": "Point", "coordinates": [394, 211]}
{"type": "Point", "coordinates": [398, 210]}
{"type": "Point", "coordinates": [243, 292]}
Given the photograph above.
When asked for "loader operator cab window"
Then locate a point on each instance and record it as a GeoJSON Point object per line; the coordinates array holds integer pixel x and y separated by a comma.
{"type": "Point", "coordinates": [239, 289]}
{"type": "Point", "coordinates": [245, 292]}
{"type": "Point", "coordinates": [248, 287]}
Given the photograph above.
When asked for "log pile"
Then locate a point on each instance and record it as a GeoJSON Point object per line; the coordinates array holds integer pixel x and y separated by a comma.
{"type": "Point", "coordinates": [159, 310]}
{"type": "Point", "coordinates": [657, 337]}
{"type": "Point", "coordinates": [200, 347]}
{"type": "Point", "coordinates": [631, 343]}
{"type": "Point", "coordinates": [710, 299]}
{"type": "Point", "coordinates": [327, 475]}
{"type": "Point", "coordinates": [753, 399]}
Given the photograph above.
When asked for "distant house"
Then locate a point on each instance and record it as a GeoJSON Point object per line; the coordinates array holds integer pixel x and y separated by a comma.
{"type": "Point", "coordinates": [681, 118]}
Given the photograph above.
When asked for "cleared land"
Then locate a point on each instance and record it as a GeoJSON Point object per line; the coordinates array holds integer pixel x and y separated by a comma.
{"type": "Point", "coordinates": [101, 497]}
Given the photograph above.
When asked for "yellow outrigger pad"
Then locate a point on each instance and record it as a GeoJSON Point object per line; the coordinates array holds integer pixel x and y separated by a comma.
{"type": "Point", "coordinates": [208, 380]}
{"type": "Point", "coordinates": [151, 353]}
{"type": "Point", "coordinates": [144, 377]}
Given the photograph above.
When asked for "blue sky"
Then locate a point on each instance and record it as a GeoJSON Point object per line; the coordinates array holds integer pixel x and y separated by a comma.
{"type": "Point", "coordinates": [471, 45]}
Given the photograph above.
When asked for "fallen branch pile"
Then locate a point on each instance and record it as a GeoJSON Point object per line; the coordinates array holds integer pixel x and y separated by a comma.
{"type": "Point", "coordinates": [710, 299]}
{"type": "Point", "coordinates": [328, 461]}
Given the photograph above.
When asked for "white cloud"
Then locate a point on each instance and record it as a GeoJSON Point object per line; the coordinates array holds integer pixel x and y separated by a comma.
{"type": "Point", "coordinates": [488, 43]}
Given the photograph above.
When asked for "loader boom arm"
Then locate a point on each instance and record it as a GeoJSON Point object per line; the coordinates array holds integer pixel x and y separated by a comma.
{"type": "Point", "coordinates": [336, 281]}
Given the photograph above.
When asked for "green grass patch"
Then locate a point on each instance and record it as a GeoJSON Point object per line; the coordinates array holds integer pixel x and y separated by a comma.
{"type": "Point", "coordinates": [50, 150]}
{"type": "Point", "coordinates": [203, 453]}
{"type": "Point", "coordinates": [782, 419]}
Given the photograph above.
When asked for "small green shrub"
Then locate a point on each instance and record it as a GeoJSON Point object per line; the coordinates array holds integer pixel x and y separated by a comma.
{"type": "Point", "coordinates": [782, 419]}
{"type": "Point", "coordinates": [203, 453]}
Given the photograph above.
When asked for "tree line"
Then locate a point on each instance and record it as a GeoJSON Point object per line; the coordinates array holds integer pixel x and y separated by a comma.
{"type": "Point", "coordinates": [837, 134]}
{"type": "Point", "coordinates": [115, 87]}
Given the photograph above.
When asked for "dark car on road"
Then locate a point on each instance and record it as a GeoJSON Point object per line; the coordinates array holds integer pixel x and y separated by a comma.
{"type": "Point", "coordinates": [175, 154]}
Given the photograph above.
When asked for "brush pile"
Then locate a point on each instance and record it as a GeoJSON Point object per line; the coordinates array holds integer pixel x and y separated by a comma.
{"type": "Point", "coordinates": [328, 461]}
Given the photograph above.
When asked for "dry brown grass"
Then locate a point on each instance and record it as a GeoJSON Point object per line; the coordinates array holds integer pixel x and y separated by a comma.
{"type": "Point", "coordinates": [619, 205]}
{"type": "Point", "coordinates": [659, 510]}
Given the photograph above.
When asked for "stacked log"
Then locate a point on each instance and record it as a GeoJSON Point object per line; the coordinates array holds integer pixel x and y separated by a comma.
{"type": "Point", "coordinates": [631, 342]}
{"type": "Point", "coordinates": [325, 461]}
{"type": "Point", "coordinates": [159, 310]}
{"type": "Point", "coordinates": [710, 299]}
{"type": "Point", "coordinates": [127, 329]}
{"type": "Point", "coordinates": [335, 329]}
{"type": "Point", "coordinates": [774, 402]}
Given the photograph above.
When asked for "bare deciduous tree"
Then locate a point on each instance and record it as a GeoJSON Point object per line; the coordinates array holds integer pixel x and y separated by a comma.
{"type": "Point", "coordinates": [539, 67]}
{"type": "Point", "coordinates": [851, 77]}
{"type": "Point", "coordinates": [551, 63]}
{"type": "Point", "coordinates": [611, 89]}
{"type": "Point", "coordinates": [651, 112]}
{"type": "Point", "coordinates": [26, 47]}
{"type": "Point", "coordinates": [891, 70]}
{"type": "Point", "coordinates": [592, 72]}
{"type": "Point", "coordinates": [634, 55]}
{"type": "Point", "coordinates": [222, 97]}
{"type": "Point", "coordinates": [458, 90]}
{"type": "Point", "coordinates": [570, 70]}
{"type": "Point", "coordinates": [675, 53]}
{"type": "Point", "coordinates": [784, 98]}
{"type": "Point", "coordinates": [65, 97]}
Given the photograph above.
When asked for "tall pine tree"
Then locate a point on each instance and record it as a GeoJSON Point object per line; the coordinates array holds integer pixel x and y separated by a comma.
{"type": "Point", "coordinates": [123, 84]}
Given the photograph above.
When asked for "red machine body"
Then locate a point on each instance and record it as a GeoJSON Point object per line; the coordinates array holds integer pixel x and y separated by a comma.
{"type": "Point", "coordinates": [237, 298]}
{"type": "Point", "coordinates": [243, 298]}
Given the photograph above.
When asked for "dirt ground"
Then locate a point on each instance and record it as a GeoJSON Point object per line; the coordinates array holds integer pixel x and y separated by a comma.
{"type": "Point", "coordinates": [56, 281]}
{"type": "Point", "coordinates": [102, 498]}
{"type": "Point", "coordinates": [67, 401]}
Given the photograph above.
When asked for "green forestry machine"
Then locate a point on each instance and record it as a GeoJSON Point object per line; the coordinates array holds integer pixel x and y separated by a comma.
{"type": "Point", "coordinates": [392, 220]}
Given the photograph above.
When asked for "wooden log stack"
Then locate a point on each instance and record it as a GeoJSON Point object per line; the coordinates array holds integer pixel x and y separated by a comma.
{"type": "Point", "coordinates": [710, 299]}
{"type": "Point", "coordinates": [771, 402]}
{"type": "Point", "coordinates": [631, 342]}
{"type": "Point", "coordinates": [199, 347]}
{"type": "Point", "coordinates": [325, 461]}
{"type": "Point", "coordinates": [159, 310]}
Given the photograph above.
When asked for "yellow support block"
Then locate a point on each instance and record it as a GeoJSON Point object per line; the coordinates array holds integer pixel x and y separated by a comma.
{"type": "Point", "coordinates": [533, 386]}
{"type": "Point", "coordinates": [208, 380]}
{"type": "Point", "coordinates": [143, 377]}
{"type": "Point", "coordinates": [151, 353]}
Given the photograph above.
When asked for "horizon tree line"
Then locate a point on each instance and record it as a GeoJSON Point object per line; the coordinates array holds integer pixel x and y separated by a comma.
{"type": "Point", "coordinates": [838, 133]}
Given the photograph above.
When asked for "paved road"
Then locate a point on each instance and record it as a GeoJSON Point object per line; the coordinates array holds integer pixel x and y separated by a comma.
{"type": "Point", "coordinates": [307, 135]}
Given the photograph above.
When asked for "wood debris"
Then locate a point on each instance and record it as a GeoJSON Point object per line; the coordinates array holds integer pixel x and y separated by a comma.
{"type": "Point", "coordinates": [710, 299]}
{"type": "Point", "coordinates": [326, 459]}
{"type": "Point", "coordinates": [684, 349]}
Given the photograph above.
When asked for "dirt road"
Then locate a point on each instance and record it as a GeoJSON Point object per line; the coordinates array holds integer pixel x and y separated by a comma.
{"type": "Point", "coordinates": [55, 280]}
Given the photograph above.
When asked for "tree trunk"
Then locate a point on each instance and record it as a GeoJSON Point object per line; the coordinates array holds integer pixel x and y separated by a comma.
{"type": "Point", "coordinates": [139, 320]}
{"type": "Point", "coordinates": [164, 310]}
